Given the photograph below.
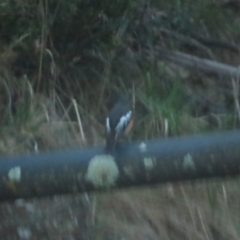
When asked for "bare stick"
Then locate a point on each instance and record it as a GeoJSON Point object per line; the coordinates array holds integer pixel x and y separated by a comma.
{"type": "Point", "coordinates": [235, 85]}
{"type": "Point", "coordinates": [166, 128]}
{"type": "Point", "coordinates": [79, 120]}
{"type": "Point", "coordinates": [9, 101]}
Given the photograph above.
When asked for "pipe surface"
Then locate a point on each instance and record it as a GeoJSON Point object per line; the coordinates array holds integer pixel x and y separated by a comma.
{"type": "Point", "coordinates": [135, 163]}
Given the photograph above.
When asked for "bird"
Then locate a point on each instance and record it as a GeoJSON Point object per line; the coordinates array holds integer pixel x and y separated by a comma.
{"type": "Point", "coordinates": [119, 121]}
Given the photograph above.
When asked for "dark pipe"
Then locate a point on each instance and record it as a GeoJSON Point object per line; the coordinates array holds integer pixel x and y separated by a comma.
{"type": "Point", "coordinates": [136, 163]}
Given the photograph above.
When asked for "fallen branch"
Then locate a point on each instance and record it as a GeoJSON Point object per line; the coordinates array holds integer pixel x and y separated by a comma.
{"type": "Point", "coordinates": [202, 64]}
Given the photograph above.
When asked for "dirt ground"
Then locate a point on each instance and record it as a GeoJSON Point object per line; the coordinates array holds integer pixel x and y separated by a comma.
{"type": "Point", "coordinates": [198, 210]}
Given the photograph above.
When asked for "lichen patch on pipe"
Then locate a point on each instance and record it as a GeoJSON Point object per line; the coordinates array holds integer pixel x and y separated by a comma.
{"type": "Point", "coordinates": [14, 174]}
{"type": "Point", "coordinates": [143, 147]}
{"type": "Point", "coordinates": [188, 163]}
{"type": "Point", "coordinates": [149, 163]}
{"type": "Point", "coordinates": [102, 171]}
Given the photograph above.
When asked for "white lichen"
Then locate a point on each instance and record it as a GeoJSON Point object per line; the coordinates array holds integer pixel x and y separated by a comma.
{"type": "Point", "coordinates": [143, 147]}
{"type": "Point", "coordinates": [102, 171]}
{"type": "Point", "coordinates": [149, 163]}
{"type": "Point", "coordinates": [14, 174]}
{"type": "Point", "coordinates": [188, 163]}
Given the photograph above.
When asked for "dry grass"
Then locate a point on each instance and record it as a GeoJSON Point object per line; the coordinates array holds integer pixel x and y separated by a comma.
{"type": "Point", "coordinates": [179, 211]}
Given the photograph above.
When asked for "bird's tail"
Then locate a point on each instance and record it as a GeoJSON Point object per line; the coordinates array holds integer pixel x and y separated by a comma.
{"type": "Point", "coordinates": [110, 142]}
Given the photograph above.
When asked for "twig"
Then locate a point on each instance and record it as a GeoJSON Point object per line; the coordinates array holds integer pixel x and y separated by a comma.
{"type": "Point", "coordinates": [9, 101]}
{"type": "Point", "coordinates": [79, 120]}
{"type": "Point", "coordinates": [166, 128]}
{"type": "Point", "coordinates": [66, 115]}
{"type": "Point", "coordinates": [42, 45]}
{"type": "Point", "coordinates": [46, 112]}
{"type": "Point", "coordinates": [235, 85]}
{"type": "Point", "coordinates": [133, 98]}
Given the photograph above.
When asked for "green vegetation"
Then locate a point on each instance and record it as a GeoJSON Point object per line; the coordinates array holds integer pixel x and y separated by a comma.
{"type": "Point", "coordinates": [91, 51]}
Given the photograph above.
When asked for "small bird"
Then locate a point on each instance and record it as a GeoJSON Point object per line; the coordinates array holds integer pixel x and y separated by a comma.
{"type": "Point", "coordinates": [119, 120]}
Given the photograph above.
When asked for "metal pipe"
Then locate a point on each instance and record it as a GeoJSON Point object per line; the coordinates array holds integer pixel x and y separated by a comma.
{"type": "Point", "coordinates": [136, 163]}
